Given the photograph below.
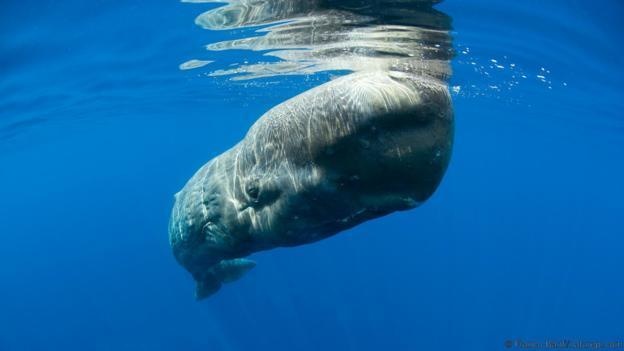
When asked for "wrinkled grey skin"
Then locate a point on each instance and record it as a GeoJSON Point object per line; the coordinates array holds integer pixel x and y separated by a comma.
{"type": "Point", "coordinates": [357, 148]}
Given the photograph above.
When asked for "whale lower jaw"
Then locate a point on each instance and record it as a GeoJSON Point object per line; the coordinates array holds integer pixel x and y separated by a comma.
{"type": "Point", "coordinates": [226, 271]}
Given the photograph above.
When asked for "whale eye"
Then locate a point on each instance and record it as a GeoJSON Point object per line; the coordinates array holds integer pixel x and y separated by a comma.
{"type": "Point", "coordinates": [253, 191]}
{"type": "Point", "coordinates": [261, 193]}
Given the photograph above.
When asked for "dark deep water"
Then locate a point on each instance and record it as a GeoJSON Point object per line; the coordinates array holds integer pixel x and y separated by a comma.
{"type": "Point", "coordinates": [99, 128]}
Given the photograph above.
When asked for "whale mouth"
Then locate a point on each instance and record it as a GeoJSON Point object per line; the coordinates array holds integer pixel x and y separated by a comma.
{"type": "Point", "coordinates": [225, 271]}
{"type": "Point", "coordinates": [198, 248]}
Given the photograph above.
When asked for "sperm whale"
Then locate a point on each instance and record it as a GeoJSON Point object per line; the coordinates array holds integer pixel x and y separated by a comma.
{"type": "Point", "coordinates": [372, 142]}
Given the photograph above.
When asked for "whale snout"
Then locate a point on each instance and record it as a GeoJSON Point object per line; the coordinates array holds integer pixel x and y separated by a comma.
{"type": "Point", "coordinates": [194, 230]}
{"type": "Point", "coordinates": [206, 226]}
{"type": "Point", "coordinates": [205, 233]}
{"type": "Point", "coordinates": [186, 231]}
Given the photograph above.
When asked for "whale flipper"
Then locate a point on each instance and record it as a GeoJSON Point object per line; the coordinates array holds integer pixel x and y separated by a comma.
{"type": "Point", "coordinates": [228, 271]}
{"type": "Point", "coordinates": [225, 271]}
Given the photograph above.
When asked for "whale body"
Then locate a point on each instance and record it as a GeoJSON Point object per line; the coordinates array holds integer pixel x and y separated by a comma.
{"type": "Point", "coordinates": [356, 148]}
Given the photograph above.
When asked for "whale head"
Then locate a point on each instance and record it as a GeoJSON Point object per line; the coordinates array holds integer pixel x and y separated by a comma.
{"type": "Point", "coordinates": [371, 144]}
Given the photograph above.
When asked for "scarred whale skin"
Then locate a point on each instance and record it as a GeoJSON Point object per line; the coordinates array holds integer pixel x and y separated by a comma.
{"type": "Point", "coordinates": [356, 148]}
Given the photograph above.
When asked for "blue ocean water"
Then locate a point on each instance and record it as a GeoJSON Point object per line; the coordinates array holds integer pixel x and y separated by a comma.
{"type": "Point", "coordinates": [99, 127]}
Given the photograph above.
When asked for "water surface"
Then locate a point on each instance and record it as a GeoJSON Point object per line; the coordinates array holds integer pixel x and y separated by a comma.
{"type": "Point", "coordinates": [99, 127]}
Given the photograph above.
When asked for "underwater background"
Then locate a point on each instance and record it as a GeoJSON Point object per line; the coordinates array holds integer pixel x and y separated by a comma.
{"type": "Point", "coordinates": [100, 126]}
